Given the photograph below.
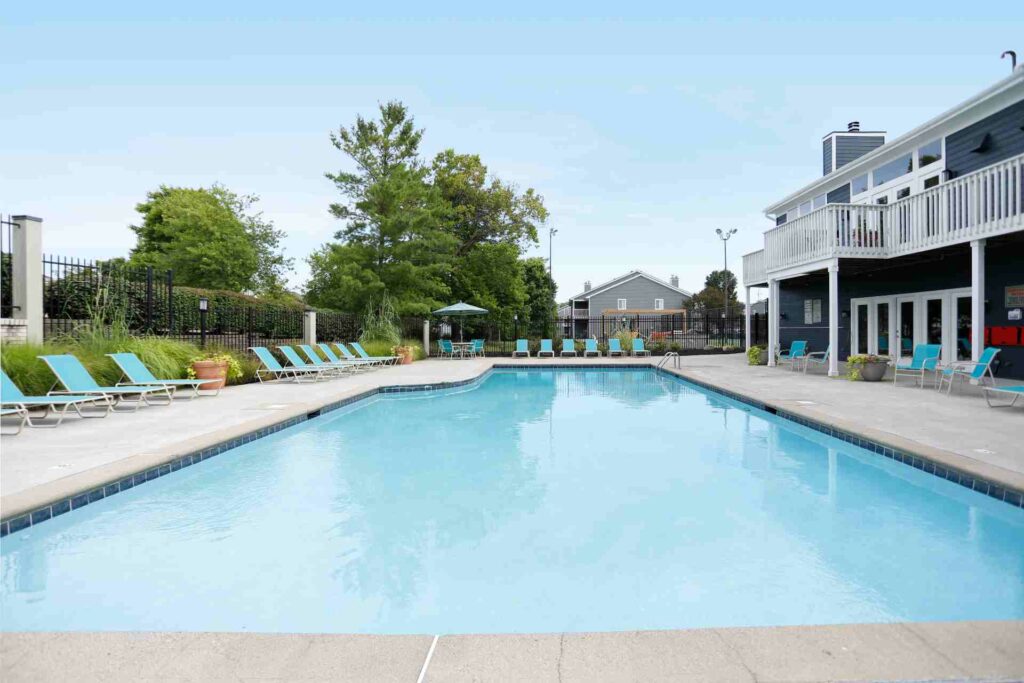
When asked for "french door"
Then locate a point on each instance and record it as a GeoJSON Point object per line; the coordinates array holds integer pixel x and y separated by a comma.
{"type": "Point", "coordinates": [894, 325]}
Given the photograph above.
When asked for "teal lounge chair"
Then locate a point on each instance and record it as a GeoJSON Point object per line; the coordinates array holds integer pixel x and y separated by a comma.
{"type": "Point", "coordinates": [1015, 391]}
{"type": "Point", "coordinates": [332, 357]}
{"type": "Point", "coordinates": [545, 349]}
{"type": "Point", "coordinates": [568, 347]}
{"type": "Point", "coordinates": [817, 358]}
{"type": "Point", "coordinates": [590, 347]}
{"type": "Point", "coordinates": [797, 350]}
{"type": "Point", "coordinates": [638, 347]}
{"type": "Point", "coordinates": [13, 399]}
{"type": "Point", "coordinates": [269, 366]}
{"type": "Point", "coordinates": [353, 357]}
{"type": "Point", "coordinates": [386, 360]}
{"type": "Point", "coordinates": [522, 348]}
{"type": "Point", "coordinates": [295, 361]}
{"type": "Point", "coordinates": [339, 367]}
{"type": "Point", "coordinates": [76, 380]}
{"type": "Point", "coordinates": [22, 417]}
{"type": "Point", "coordinates": [615, 347]}
{"type": "Point", "coordinates": [135, 371]}
{"type": "Point", "coordinates": [969, 370]}
{"type": "Point", "coordinates": [924, 360]}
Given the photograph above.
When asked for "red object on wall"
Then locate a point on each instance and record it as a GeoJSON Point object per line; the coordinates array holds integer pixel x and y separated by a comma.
{"type": "Point", "coordinates": [1004, 335]}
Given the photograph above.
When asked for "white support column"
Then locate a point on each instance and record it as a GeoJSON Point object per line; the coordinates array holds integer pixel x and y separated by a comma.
{"type": "Point", "coordinates": [746, 325]}
{"type": "Point", "coordinates": [27, 275]}
{"type": "Point", "coordinates": [833, 318]}
{"type": "Point", "coordinates": [977, 298]}
{"type": "Point", "coordinates": [426, 337]}
{"type": "Point", "coordinates": [773, 320]}
{"type": "Point", "coordinates": [309, 328]}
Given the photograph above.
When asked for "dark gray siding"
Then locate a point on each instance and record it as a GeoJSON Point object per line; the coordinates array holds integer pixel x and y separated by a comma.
{"type": "Point", "coordinates": [639, 293]}
{"type": "Point", "coordinates": [1006, 139]}
{"type": "Point", "coordinates": [826, 156]}
{"type": "Point", "coordinates": [850, 147]}
{"type": "Point", "coordinates": [1002, 269]}
{"type": "Point", "coordinates": [779, 220]}
{"type": "Point", "coordinates": [840, 195]}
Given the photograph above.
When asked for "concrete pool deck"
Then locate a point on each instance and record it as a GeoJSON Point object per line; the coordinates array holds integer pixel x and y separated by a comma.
{"type": "Point", "coordinates": [42, 465]}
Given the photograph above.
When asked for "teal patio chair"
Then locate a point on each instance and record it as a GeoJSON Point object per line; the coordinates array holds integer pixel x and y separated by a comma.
{"type": "Point", "coordinates": [12, 398]}
{"type": "Point", "coordinates": [386, 360]}
{"type": "Point", "coordinates": [135, 372]}
{"type": "Point", "coordinates": [349, 356]}
{"type": "Point", "coordinates": [817, 358]}
{"type": "Point", "coordinates": [797, 350]}
{"type": "Point", "coordinates": [546, 348]}
{"type": "Point", "coordinates": [1015, 391]}
{"type": "Point", "coordinates": [590, 347]}
{"type": "Point", "coordinates": [615, 347]}
{"type": "Point", "coordinates": [478, 348]}
{"type": "Point", "coordinates": [969, 370]}
{"type": "Point", "coordinates": [638, 347]}
{"type": "Point", "coordinates": [568, 347]}
{"type": "Point", "coordinates": [77, 381]}
{"type": "Point", "coordinates": [447, 348]}
{"type": "Point", "coordinates": [338, 367]}
{"type": "Point", "coordinates": [522, 348]}
{"type": "Point", "coordinates": [269, 366]}
{"type": "Point", "coordinates": [924, 360]}
{"type": "Point", "coordinates": [295, 361]}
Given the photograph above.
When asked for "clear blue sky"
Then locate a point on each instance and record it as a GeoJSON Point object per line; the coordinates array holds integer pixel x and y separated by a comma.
{"type": "Point", "coordinates": [644, 128]}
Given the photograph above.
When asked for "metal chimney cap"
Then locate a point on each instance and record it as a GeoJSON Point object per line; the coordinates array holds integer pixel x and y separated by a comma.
{"type": "Point", "coordinates": [853, 127]}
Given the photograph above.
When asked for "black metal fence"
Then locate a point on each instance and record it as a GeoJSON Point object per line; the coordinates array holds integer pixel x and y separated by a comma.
{"type": "Point", "coordinates": [680, 333]}
{"type": "Point", "coordinates": [6, 265]}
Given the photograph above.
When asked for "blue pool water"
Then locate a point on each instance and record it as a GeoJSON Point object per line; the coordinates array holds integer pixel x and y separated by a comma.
{"type": "Point", "coordinates": [533, 501]}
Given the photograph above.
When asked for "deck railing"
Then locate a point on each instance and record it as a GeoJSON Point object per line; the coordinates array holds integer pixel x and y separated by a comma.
{"type": "Point", "coordinates": [982, 204]}
{"type": "Point", "coordinates": [753, 267]}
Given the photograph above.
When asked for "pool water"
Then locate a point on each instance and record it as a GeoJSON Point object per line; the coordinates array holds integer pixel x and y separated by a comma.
{"type": "Point", "coordinates": [533, 501]}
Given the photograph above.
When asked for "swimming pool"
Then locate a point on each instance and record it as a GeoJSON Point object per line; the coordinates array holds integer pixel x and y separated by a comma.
{"type": "Point", "coordinates": [541, 500]}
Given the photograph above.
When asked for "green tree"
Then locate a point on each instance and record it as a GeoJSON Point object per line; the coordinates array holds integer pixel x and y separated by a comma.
{"type": "Point", "coordinates": [718, 285]}
{"type": "Point", "coordinates": [392, 241]}
{"type": "Point", "coordinates": [208, 237]}
{"type": "Point", "coordinates": [540, 293]}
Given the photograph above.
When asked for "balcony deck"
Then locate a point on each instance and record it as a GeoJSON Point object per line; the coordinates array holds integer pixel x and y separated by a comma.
{"type": "Point", "coordinates": [986, 203]}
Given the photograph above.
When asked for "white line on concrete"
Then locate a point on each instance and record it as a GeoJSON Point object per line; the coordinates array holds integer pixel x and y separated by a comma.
{"type": "Point", "coordinates": [426, 662]}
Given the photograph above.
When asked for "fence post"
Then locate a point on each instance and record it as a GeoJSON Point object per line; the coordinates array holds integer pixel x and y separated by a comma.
{"type": "Point", "coordinates": [170, 301]}
{"type": "Point", "coordinates": [426, 336]}
{"type": "Point", "coordinates": [250, 315]}
{"type": "Point", "coordinates": [309, 328]}
{"type": "Point", "coordinates": [27, 275]}
{"type": "Point", "coordinates": [149, 299]}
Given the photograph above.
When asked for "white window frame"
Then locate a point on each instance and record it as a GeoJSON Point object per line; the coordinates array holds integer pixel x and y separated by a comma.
{"type": "Point", "coordinates": [948, 298]}
{"type": "Point", "coordinates": [622, 304]}
{"type": "Point", "coordinates": [659, 304]}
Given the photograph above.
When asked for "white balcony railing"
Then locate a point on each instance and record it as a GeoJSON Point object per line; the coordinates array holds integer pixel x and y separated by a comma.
{"type": "Point", "coordinates": [982, 204]}
{"type": "Point", "coordinates": [753, 268]}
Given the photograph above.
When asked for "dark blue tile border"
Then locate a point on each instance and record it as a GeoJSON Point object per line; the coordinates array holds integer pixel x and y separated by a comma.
{"type": "Point", "coordinates": [965, 479]}
{"type": "Point", "coordinates": [13, 524]}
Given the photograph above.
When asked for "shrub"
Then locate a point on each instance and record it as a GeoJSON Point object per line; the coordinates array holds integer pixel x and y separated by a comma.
{"type": "Point", "coordinates": [381, 324]}
{"type": "Point", "coordinates": [754, 355]}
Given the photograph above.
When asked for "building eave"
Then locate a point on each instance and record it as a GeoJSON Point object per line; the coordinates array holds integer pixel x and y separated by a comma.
{"type": "Point", "coordinates": [624, 278]}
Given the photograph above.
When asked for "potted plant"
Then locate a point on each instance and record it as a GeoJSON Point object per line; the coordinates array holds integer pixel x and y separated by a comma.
{"type": "Point", "coordinates": [406, 354]}
{"type": "Point", "coordinates": [757, 355]}
{"type": "Point", "coordinates": [867, 367]}
{"type": "Point", "coordinates": [220, 366]}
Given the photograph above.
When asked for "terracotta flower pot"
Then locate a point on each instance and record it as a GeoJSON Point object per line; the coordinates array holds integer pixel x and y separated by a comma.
{"type": "Point", "coordinates": [406, 353]}
{"type": "Point", "coordinates": [211, 369]}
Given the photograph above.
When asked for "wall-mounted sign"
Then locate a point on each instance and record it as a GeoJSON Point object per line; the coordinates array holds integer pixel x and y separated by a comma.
{"type": "Point", "coordinates": [1014, 296]}
{"type": "Point", "coordinates": [1014, 314]}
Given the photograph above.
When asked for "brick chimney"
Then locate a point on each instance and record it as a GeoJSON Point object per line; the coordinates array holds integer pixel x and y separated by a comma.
{"type": "Point", "coordinates": [674, 281]}
{"type": "Point", "coordinates": [586, 286]}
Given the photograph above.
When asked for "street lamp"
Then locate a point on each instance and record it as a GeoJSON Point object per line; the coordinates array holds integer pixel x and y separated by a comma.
{"type": "Point", "coordinates": [551, 249]}
{"type": "Point", "coordinates": [724, 235]}
{"type": "Point", "coordinates": [204, 305]}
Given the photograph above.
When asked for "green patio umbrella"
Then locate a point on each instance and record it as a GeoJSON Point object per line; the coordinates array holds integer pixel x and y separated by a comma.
{"type": "Point", "coordinates": [461, 310]}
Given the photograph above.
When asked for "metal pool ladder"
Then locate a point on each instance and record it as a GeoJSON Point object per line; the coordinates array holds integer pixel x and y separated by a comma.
{"type": "Point", "coordinates": [670, 355]}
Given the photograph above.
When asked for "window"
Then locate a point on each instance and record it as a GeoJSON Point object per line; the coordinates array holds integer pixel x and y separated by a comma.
{"type": "Point", "coordinates": [929, 153]}
{"type": "Point", "coordinates": [892, 170]}
{"type": "Point", "coordinates": [659, 304]}
{"type": "Point", "coordinates": [902, 192]}
{"type": "Point", "coordinates": [819, 201]}
{"type": "Point", "coordinates": [931, 182]}
{"type": "Point", "coordinates": [622, 304]}
{"type": "Point", "coordinates": [859, 184]}
{"type": "Point", "coordinates": [812, 311]}
{"type": "Point", "coordinates": [805, 208]}
{"type": "Point", "coordinates": [882, 200]}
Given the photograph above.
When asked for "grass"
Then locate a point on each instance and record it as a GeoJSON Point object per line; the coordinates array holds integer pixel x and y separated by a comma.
{"type": "Point", "coordinates": [381, 348]}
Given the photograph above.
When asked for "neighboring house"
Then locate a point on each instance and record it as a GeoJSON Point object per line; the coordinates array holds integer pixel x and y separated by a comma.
{"type": "Point", "coordinates": [635, 295]}
{"type": "Point", "coordinates": [917, 240]}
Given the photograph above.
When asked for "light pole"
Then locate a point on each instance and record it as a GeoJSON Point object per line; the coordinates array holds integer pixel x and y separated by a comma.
{"type": "Point", "coordinates": [551, 249]}
{"type": "Point", "coordinates": [724, 235]}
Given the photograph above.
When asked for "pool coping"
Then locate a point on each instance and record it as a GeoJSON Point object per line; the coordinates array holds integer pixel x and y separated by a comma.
{"type": "Point", "coordinates": [44, 502]}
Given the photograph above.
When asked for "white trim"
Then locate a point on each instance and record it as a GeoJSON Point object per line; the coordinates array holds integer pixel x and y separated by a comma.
{"type": "Point", "coordinates": [989, 101]}
{"type": "Point", "coordinates": [659, 304]}
{"type": "Point", "coordinates": [628, 277]}
{"type": "Point", "coordinates": [622, 304]}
